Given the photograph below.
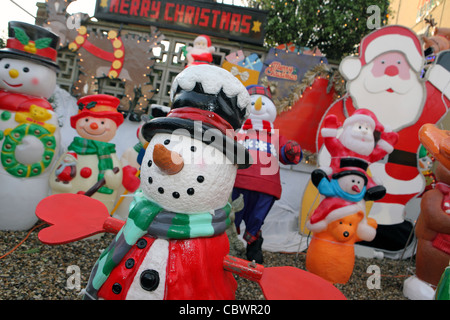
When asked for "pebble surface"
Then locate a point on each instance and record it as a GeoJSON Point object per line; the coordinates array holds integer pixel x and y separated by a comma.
{"type": "Point", "coordinates": [35, 271]}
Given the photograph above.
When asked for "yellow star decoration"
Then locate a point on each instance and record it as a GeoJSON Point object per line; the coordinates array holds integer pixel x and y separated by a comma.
{"type": "Point", "coordinates": [256, 26]}
{"type": "Point", "coordinates": [104, 4]}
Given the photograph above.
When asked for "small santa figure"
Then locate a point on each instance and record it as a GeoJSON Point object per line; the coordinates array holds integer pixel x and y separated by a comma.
{"type": "Point", "coordinates": [260, 184]}
{"type": "Point", "coordinates": [356, 147]}
{"type": "Point", "coordinates": [91, 157]}
{"type": "Point", "coordinates": [386, 79]}
{"type": "Point", "coordinates": [201, 52]}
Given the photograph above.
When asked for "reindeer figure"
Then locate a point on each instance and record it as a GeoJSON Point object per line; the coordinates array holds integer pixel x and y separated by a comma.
{"type": "Point", "coordinates": [128, 57]}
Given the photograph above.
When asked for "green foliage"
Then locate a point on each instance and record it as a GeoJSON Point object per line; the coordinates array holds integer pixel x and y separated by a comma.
{"type": "Point", "coordinates": [336, 27]}
{"type": "Point", "coordinates": [21, 36]}
{"type": "Point", "coordinates": [43, 43]}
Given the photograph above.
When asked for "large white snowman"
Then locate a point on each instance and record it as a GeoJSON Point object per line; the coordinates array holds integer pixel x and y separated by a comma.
{"type": "Point", "coordinates": [173, 243]}
{"type": "Point", "coordinates": [29, 132]}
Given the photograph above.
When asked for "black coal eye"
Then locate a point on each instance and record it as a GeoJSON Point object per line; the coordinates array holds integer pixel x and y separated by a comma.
{"type": "Point", "coordinates": [200, 179]}
{"type": "Point", "coordinates": [150, 180]}
{"type": "Point", "coordinates": [160, 190]}
{"type": "Point", "coordinates": [7, 66]}
{"type": "Point", "coordinates": [166, 142]}
{"type": "Point", "coordinates": [190, 191]}
{"type": "Point", "coordinates": [86, 120]}
{"type": "Point", "coordinates": [26, 69]}
{"type": "Point", "coordinates": [176, 195]}
{"type": "Point", "coordinates": [103, 122]}
{"type": "Point", "coordinates": [193, 148]}
{"type": "Point", "coordinates": [149, 163]}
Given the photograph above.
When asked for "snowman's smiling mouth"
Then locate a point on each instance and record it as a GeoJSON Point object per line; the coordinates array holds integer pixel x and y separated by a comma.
{"type": "Point", "coordinates": [13, 85]}
{"type": "Point", "coordinates": [94, 134]}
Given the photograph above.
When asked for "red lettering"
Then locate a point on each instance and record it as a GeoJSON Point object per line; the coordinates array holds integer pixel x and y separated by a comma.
{"type": "Point", "coordinates": [197, 15]}
{"type": "Point", "coordinates": [156, 6]}
{"type": "Point", "coordinates": [114, 6]}
{"type": "Point", "coordinates": [235, 21]}
{"type": "Point", "coordinates": [134, 7]}
{"type": "Point", "coordinates": [166, 12]}
{"type": "Point", "coordinates": [189, 14]}
{"type": "Point", "coordinates": [124, 7]}
{"type": "Point", "coordinates": [145, 8]}
{"type": "Point", "coordinates": [204, 18]}
{"type": "Point", "coordinates": [225, 20]}
{"type": "Point", "coordinates": [245, 24]}
{"type": "Point", "coordinates": [179, 12]}
{"type": "Point", "coordinates": [215, 15]}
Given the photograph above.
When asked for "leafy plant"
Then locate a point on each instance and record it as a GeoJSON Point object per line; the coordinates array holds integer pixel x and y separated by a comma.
{"type": "Point", "coordinates": [336, 27]}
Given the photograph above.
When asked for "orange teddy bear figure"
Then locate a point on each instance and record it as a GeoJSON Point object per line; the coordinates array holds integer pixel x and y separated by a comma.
{"type": "Point", "coordinates": [433, 224]}
{"type": "Point", "coordinates": [337, 224]}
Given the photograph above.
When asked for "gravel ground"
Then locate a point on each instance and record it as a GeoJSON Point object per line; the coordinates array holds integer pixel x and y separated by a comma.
{"type": "Point", "coordinates": [35, 271]}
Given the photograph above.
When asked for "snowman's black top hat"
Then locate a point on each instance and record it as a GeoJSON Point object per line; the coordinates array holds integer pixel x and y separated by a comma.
{"type": "Point", "coordinates": [31, 42]}
{"type": "Point", "coordinates": [211, 118]}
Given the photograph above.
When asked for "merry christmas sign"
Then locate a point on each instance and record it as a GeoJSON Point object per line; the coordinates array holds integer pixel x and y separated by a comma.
{"type": "Point", "coordinates": [236, 23]}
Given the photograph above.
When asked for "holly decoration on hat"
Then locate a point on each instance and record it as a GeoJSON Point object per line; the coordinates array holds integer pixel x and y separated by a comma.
{"type": "Point", "coordinates": [31, 46]}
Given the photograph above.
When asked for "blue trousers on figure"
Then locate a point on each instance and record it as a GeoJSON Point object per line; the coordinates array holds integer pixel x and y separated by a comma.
{"type": "Point", "coordinates": [256, 207]}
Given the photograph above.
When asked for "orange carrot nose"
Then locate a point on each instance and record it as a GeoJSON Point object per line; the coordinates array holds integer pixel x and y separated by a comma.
{"type": "Point", "coordinates": [169, 162]}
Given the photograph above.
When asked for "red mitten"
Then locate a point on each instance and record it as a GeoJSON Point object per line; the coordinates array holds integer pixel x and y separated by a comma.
{"type": "Point", "coordinates": [390, 137]}
{"type": "Point", "coordinates": [293, 151]}
{"type": "Point", "coordinates": [331, 122]}
{"type": "Point", "coordinates": [129, 179]}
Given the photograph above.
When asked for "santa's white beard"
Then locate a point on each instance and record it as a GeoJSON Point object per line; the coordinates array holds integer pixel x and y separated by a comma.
{"type": "Point", "coordinates": [396, 109]}
{"type": "Point", "coordinates": [355, 142]}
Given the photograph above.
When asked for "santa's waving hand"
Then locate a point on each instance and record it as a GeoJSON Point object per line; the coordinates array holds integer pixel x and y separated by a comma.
{"type": "Point", "coordinates": [386, 78]}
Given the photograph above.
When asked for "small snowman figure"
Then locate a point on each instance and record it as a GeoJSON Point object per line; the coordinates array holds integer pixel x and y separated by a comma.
{"type": "Point", "coordinates": [29, 130]}
{"type": "Point", "coordinates": [201, 52]}
{"type": "Point", "coordinates": [349, 184]}
{"type": "Point", "coordinates": [91, 158]}
{"type": "Point", "coordinates": [173, 243]}
{"type": "Point", "coordinates": [260, 184]}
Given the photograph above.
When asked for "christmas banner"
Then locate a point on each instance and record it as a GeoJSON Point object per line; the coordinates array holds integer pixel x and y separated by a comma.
{"type": "Point", "coordinates": [215, 19]}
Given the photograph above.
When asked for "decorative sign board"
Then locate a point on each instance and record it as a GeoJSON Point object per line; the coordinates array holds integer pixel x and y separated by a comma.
{"type": "Point", "coordinates": [232, 22]}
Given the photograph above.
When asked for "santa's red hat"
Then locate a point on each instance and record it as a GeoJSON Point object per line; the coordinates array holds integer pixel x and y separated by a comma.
{"type": "Point", "coordinates": [387, 39]}
{"type": "Point", "coordinates": [366, 116]}
{"type": "Point", "coordinates": [331, 209]}
{"type": "Point", "coordinates": [204, 37]}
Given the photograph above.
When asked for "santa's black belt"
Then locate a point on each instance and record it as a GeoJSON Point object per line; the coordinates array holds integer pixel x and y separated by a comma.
{"type": "Point", "coordinates": [397, 156]}
{"type": "Point", "coordinates": [405, 158]}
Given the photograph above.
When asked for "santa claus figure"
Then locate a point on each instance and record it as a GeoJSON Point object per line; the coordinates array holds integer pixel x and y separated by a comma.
{"type": "Point", "coordinates": [356, 147]}
{"type": "Point", "coordinates": [201, 52]}
{"type": "Point", "coordinates": [386, 79]}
